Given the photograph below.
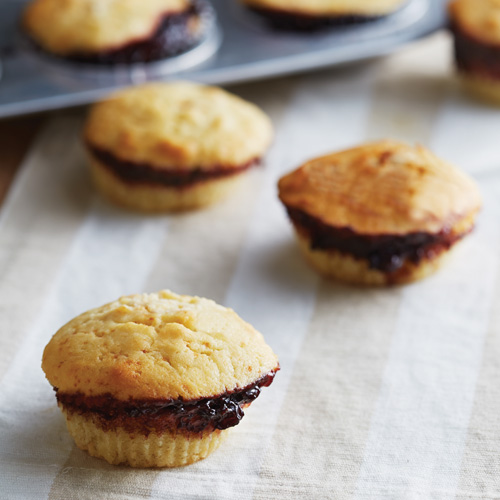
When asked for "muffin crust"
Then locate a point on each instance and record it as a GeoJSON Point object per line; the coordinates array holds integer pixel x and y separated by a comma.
{"type": "Point", "coordinates": [176, 146]}
{"type": "Point", "coordinates": [95, 26]}
{"type": "Point", "coordinates": [477, 19]}
{"type": "Point", "coordinates": [385, 187]}
{"type": "Point", "coordinates": [156, 380]}
{"type": "Point", "coordinates": [380, 213]}
{"type": "Point", "coordinates": [476, 31]}
{"type": "Point", "coordinates": [179, 125]}
{"type": "Point", "coordinates": [157, 346]}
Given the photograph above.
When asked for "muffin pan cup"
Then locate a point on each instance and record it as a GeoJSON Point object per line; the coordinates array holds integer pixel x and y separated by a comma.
{"type": "Point", "coordinates": [239, 47]}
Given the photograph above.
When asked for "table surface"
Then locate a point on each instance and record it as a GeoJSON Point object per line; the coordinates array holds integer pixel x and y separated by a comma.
{"type": "Point", "coordinates": [384, 394]}
{"type": "Point", "coordinates": [16, 137]}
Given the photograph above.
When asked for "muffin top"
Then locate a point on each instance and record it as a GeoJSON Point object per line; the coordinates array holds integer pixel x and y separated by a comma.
{"type": "Point", "coordinates": [157, 346]}
{"type": "Point", "coordinates": [384, 187]}
{"type": "Point", "coordinates": [179, 125]}
{"type": "Point", "coordinates": [477, 18]}
{"type": "Point", "coordinates": [65, 27]}
{"type": "Point", "coordinates": [330, 7]}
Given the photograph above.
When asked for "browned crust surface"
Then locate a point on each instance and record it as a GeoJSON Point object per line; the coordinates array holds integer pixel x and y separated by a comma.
{"type": "Point", "coordinates": [158, 346]}
{"type": "Point", "coordinates": [479, 19]}
{"type": "Point", "coordinates": [83, 26]}
{"type": "Point", "coordinates": [179, 125]}
{"type": "Point", "coordinates": [381, 188]}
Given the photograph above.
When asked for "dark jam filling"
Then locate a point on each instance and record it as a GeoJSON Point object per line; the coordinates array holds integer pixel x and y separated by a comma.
{"type": "Point", "coordinates": [475, 57]}
{"type": "Point", "coordinates": [145, 416]}
{"type": "Point", "coordinates": [146, 174]}
{"type": "Point", "coordinates": [386, 253]}
{"type": "Point", "coordinates": [289, 21]}
{"type": "Point", "coordinates": [175, 34]}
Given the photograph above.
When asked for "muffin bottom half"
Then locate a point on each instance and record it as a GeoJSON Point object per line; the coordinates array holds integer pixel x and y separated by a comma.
{"type": "Point", "coordinates": [478, 65]}
{"type": "Point", "coordinates": [158, 198]}
{"type": "Point", "coordinates": [348, 269]}
{"type": "Point", "coordinates": [481, 87]}
{"type": "Point", "coordinates": [118, 446]}
{"type": "Point", "coordinates": [175, 34]}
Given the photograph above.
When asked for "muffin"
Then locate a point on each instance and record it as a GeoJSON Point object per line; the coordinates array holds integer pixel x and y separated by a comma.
{"type": "Point", "coordinates": [115, 31]}
{"type": "Point", "coordinates": [317, 14]}
{"type": "Point", "coordinates": [167, 147]}
{"type": "Point", "coordinates": [475, 25]}
{"type": "Point", "coordinates": [156, 380]}
{"type": "Point", "coordinates": [383, 213]}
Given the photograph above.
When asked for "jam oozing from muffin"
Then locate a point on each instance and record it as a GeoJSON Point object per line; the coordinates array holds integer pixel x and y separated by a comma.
{"type": "Point", "coordinates": [474, 56]}
{"type": "Point", "coordinates": [176, 33]}
{"type": "Point", "coordinates": [290, 21]}
{"type": "Point", "coordinates": [131, 172]}
{"type": "Point", "coordinates": [145, 416]}
{"type": "Point", "coordinates": [386, 253]}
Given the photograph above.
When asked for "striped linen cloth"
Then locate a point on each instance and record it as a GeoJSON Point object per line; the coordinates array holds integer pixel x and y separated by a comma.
{"type": "Point", "coordinates": [383, 394]}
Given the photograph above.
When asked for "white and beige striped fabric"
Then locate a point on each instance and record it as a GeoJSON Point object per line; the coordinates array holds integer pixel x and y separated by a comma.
{"type": "Point", "coordinates": [383, 394]}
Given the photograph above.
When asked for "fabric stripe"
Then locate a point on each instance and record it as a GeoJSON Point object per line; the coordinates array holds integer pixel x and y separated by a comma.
{"type": "Point", "coordinates": [210, 473]}
{"type": "Point", "coordinates": [409, 90]}
{"type": "Point", "coordinates": [113, 256]}
{"type": "Point", "coordinates": [214, 238]}
{"type": "Point", "coordinates": [480, 468]}
{"type": "Point", "coordinates": [331, 396]}
{"type": "Point", "coordinates": [198, 257]}
{"type": "Point", "coordinates": [418, 428]}
{"type": "Point", "coordinates": [88, 277]}
{"type": "Point", "coordinates": [33, 238]}
{"type": "Point", "coordinates": [272, 287]}
{"type": "Point", "coordinates": [468, 130]}
{"type": "Point", "coordinates": [417, 433]}
{"type": "Point", "coordinates": [331, 400]}
{"type": "Point", "coordinates": [342, 106]}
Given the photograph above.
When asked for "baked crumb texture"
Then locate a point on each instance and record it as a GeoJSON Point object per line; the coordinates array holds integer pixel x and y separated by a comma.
{"type": "Point", "coordinates": [475, 25]}
{"type": "Point", "coordinates": [155, 380]}
{"type": "Point", "coordinates": [115, 31]}
{"type": "Point", "coordinates": [383, 213]}
{"type": "Point", "coordinates": [167, 147]}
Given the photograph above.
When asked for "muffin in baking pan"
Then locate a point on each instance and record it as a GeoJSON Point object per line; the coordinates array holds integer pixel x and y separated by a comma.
{"type": "Point", "coordinates": [475, 25]}
{"type": "Point", "coordinates": [109, 32]}
{"type": "Point", "coordinates": [305, 15]}
{"type": "Point", "coordinates": [382, 213]}
{"type": "Point", "coordinates": [156, 380]}
{"type": "Point", "coordinates": [173, 146]}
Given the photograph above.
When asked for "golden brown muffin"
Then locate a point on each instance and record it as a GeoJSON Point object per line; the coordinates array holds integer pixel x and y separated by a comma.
{"type": "Point", "coordinates": [155, 380]}
{"type": "Point", "coordinates": [115, 31]}
{"type": "Point", "coordinates": [476, 29]}
{"type": "Point", "coordinates": [166, 147]}
{"type": "Point", "coordinates": [382, 213]}
{"type": "Point", "coordinates": [314, 14]}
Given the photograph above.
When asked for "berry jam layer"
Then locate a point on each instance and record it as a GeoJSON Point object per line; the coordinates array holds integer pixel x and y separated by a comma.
{"type": "Point", "coordinates": [474, 57]}
{"type": "Point", "coordinates": [289, 21]}
{"type": "Point", "coordinates": [142, 173]}
{"type": "Point", "coordinates": [145, 416]}
{"type": "Point", "coordinates": [175, 34]}
{"type": "Point", "coordinates": [386, 253]}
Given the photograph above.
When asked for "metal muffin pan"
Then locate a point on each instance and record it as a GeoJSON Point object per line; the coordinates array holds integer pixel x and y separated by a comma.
{"type": "Point", "coordinates": [241, 47]}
